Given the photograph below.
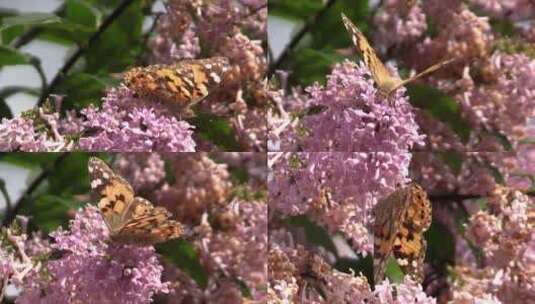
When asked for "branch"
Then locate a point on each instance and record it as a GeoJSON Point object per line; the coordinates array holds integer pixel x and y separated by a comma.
{"type": "Point", "coordinates": [10, 214]}
{"type": "Point", "coordinates": [7, 198]}
{"type": "Point", "coordinates": [460, 197]}
{"type": "Point", "coordinates": [295, 40]}
{"type": "Point", "coordinates": [82, 49]}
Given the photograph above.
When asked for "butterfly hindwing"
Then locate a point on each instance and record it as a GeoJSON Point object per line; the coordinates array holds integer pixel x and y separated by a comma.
{"type": "Point", "coordinates": [148, 224]}
{"type": "Point", "coordinates": [388, 215]}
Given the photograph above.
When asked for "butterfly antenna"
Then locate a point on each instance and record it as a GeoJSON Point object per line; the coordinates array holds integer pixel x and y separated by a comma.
{"type": "Point", "coordinates": [429, 70]}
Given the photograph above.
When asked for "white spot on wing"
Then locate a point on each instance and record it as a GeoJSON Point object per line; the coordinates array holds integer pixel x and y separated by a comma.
{"type": "Point", "coordinates": [95, 183]}
{"type": "Point", "coordinates": [215, 77]}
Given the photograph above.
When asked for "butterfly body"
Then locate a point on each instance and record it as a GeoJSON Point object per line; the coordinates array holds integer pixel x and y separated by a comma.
{"type": "Point", "coordinates": [400, 222]}
{"type": "Point", "coordinates": [130, 219]}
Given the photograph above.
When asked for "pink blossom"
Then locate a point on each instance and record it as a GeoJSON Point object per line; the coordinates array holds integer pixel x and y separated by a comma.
{"type": "Point", "coordinates": [125, 123]}
{"type": "Point", "coordinates": [91, 269]}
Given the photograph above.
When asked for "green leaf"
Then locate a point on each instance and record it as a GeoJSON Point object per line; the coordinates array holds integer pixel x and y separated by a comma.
{"type": "Point", "coordinates": [495, 172]}
{"type": "Point", "coordinates": [453, 159]}
{"type": "Point", "coordinates": [393, 271]}
{"type": "Point", "coordinates": [239, 174]}
{"type": "Point", "coordinates": [310, 65]}
{"type": "Point", "coordinates": [11, 56]}
{"type": "Point", "coordinates": [82, 12]}
{"type": "Point", "coordinates": [119, 46]}
{"type": "Point", "coordinates": [82, 89]}
{"type": "Point", "coordinates": [182, 254]}
{"type": "Point", "coordinates": [502, 139]}
{"type": "Point", "coordinates": [74, 170]}
{"type": "Point", "coordinates": [331, 22]}
{"type": "Point", "coordinates": [294, 9]}
{"type": "Point", "coordinates": [8, 35]}
{"type": "Point", "coordinates": [503, 26]}
{"type": "Point", "coordinates": [440, 246]}
{"type": "Point", "coordinates": [72, 30]}
{"type": "Point", "coordinates": [30, 160]}
{"type": "Point", "coordinates": [361, 265]}
{"type": "Point", "coordinates": [216, 130]}
{"type": "Point", "coordinates": [315, 234]}
{"type": "Point", "coordinates": [30, 19]}
{"type": "Point", "coordinates": [440, 106]}
{"type": "Point", "coordinates": [49, 211]}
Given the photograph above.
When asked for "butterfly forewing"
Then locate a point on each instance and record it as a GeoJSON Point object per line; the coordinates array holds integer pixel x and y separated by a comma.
{"type": "Point", "coordinates": [115, 195]}
{"type": "Point", "coordinates": [380, 73]}
{"type": "Point", "coordinates": [130, 219]}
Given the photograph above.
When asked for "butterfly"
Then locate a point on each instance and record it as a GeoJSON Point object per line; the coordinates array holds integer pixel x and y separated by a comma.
{"type": "Point", "coordinates": [131, 219]}
{"type": "Point", "coordinates": [400, 222]}
{"type": "Point", "coordinates": [180, 85]}
{"type": "Point", "coordinates": [386, 83]}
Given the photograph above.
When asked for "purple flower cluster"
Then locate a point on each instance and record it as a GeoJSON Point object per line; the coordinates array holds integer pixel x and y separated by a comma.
{"type": "Point", "coordinates": [297, 275]}
{"type": "Point", "coordinates": [506, 235]}
{"type": "Point", "coordinates": [238, 250]}
{"type": "Point", "coordinates": [90, 269]}
{"type": "Point", "coordinates": [47, 133]}
{"type": "Point", "coordinates": [336, 189]}
{"type": "Point", "coordinates": [125, 123]}
{"type": "Point", "coordinates": [352, 116]}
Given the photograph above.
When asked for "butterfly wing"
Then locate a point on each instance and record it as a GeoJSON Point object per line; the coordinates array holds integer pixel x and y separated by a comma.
{"type": "Point", "coordinates": [115, 195]}
{"type": "Point", "coordinates": [380, 73]}
{"type": "Point", "coordinates": [410, 245]}
{"type": "Point", "coordinates": [388, 215]}
{"type": "Point", "coordinates": [182, 84]}
{"type": "Point", "coordinates": [148, 224]}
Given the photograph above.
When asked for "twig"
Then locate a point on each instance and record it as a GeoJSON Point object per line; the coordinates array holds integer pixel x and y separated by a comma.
{"type": "Point", "coordinates": [82, 49]}
{"type": "Point", "coordinates": [6, 195]}
{"type": "Point", "coordinates": [10, 215]}
{"type": "Point", "coordinates": [295, 40]}
{"type": "Point", "coordinates": [460, 197]}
